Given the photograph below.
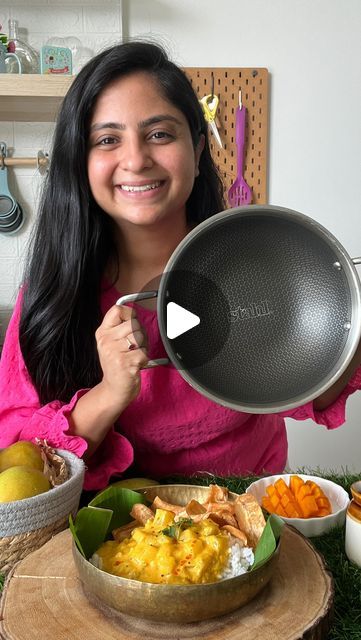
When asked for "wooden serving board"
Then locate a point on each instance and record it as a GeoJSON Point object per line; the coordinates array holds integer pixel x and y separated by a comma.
{"type": "Point", "coordinates": [43, 597]}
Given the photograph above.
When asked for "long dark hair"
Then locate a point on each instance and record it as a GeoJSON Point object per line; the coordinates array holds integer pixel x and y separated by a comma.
{"type": "Point", "coordinates": [73, 239]}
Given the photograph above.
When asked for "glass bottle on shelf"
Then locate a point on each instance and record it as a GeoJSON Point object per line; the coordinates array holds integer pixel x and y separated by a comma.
{"type": "Point", "coordinates": [3, 38]}
{"type": "Point", "coordinates": [29, 58]}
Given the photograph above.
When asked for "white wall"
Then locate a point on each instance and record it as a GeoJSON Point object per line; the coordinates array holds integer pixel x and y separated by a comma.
{"type": "Point", "coordinates": [312, 49]}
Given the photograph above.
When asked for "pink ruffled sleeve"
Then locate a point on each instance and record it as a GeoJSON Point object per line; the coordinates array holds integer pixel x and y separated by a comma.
{"type": "Point", "coordinates": [23, 418]}
{"type": "Point", "coordinates": [334, 415]}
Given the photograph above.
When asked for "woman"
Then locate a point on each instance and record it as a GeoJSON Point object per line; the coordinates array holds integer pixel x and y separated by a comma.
{"type": "Point", "coordinates": [131, 175]}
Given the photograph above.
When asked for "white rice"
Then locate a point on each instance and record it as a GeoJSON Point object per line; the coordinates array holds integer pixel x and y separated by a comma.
{"type": "Point", "coordinates": [240, 559]}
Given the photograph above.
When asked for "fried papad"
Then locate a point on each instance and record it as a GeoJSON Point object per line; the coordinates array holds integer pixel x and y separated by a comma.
{"type": "Point", "coordinates": [242, 518]}
{"type": "Point", "coordinates": [250, 517]}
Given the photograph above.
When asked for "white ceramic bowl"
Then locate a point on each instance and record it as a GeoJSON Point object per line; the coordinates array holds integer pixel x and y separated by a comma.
{"type": "Point", "coordinates": [310, 527]}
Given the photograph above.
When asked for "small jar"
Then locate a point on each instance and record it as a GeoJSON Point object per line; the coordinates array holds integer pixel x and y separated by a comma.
{"type": "Point", "coordinates": [353, 525]}
{"type": "Point", "coordinates": [29, 58]}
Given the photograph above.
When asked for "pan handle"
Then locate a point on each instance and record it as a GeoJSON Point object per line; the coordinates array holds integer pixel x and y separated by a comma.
{"type": "Point", "coordinates": [356, 260]}
{"type": "Point", "coordinates": [144, 295]}
{"type": "Point", "coordinates": [133, 297]}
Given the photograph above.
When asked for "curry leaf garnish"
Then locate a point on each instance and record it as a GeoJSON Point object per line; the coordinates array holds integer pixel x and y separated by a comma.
{"type": "Point", "coordinates": [170, 531]}
{"type": "Point", "coordinates": [174, 530]}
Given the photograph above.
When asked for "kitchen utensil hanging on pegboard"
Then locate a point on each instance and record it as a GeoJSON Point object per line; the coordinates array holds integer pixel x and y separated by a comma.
{"type": "Point", "coordinates": [226, 84]}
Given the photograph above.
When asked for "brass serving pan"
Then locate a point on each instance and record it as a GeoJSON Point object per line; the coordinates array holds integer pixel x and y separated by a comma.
{"type": "Point", "coordinates": [173, 603]}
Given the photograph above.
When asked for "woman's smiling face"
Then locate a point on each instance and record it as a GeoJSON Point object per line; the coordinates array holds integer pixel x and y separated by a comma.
{"type": "Point", "coordinates": [141, 161]}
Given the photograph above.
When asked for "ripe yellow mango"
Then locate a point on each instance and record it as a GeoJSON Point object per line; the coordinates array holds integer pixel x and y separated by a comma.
{"type": "Point", "coordinates": [22, 453]}
{"type": "Point", "coordinates": [134, 483]}
{"type": "Point", "coordinates": [299, 500]}
{"type": "Point", "coordinates": [17, 483]}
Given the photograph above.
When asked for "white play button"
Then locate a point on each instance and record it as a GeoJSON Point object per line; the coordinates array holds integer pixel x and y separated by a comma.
{"type": "Point", "coordinates": [179, 320]}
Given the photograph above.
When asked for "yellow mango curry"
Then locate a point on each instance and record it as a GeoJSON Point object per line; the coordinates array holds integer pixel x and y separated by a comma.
{"type": "Point", "coordinates": [168, 551]}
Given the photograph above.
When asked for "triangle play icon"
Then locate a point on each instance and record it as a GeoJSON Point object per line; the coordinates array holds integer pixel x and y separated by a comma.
{"type": "Point", "coordinates": [179, 320]}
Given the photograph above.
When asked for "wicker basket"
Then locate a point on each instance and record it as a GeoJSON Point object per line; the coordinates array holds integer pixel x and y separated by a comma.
{"type": "Point", "coordinates": [25, 525]}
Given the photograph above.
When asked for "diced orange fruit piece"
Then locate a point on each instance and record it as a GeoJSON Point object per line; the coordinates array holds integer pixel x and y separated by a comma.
{"type": "Point", "coordinates": [299, 500]}
{"type": "Point", "coordinates": [315, 489]}
{"type": "Point", "coordinates": [292, 511]}
{"type": "Point", "coordinates": [275, 500]}
{"type": "Point", "coordinates": [285, 499]}
{"type": "Point", "coordinates": [322, 501]}
{"type": "Point", "coordinates": [281, 487]}
{"type": "Point", "coordinates": [267, 504]}
{"type": "Point", "coordinates": [309, 506]}
{"type": "Point", "coordinates": [303, 492]}
{"type": "Point", "coordinates": [295, 483]}
{"type": "Point", "coordinates": [271, 490]}
{"type": "Point", "coordinates": [280, 511]}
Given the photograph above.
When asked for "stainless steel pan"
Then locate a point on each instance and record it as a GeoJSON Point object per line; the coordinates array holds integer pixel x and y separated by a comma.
{"type": "Point", "coordinates": [278, 299]}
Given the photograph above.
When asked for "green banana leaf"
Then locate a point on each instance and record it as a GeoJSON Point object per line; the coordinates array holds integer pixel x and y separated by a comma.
{"type": "Point", "coordinates": [268, 541]}
{"type": "Point", "coordinates": [109, 510]}
{"type": "Point", "coordinates": [90, 529]}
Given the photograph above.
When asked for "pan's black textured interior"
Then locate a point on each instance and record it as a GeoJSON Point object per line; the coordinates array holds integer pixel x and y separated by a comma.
{"type": "Point", "coordinates": [202, 296]}
{"type": "Point", "coordinates": [273, 308]}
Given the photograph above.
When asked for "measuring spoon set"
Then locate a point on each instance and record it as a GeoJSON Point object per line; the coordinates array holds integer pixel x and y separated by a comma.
{"type": "Point", "coordinates": [11, 213]}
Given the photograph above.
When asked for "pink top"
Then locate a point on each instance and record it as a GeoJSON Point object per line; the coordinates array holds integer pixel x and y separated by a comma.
{"type": "Point", "coordinates": [169, 428]}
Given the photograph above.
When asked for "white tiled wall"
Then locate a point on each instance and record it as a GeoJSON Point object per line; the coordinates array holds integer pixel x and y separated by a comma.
{"type": "Point", "coordinates": [97, 25]}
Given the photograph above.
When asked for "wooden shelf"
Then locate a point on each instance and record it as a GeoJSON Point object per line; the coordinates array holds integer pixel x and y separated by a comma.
{"type": "Point", "coordinates": [31, 97]}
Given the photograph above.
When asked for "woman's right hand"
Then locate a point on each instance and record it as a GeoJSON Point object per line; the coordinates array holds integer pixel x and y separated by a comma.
{"type": "Point", "coordinates": [121, 344]}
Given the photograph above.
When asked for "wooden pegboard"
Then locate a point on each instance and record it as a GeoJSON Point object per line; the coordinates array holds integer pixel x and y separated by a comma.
{"type": "Point", "coordinates": [254, 85]}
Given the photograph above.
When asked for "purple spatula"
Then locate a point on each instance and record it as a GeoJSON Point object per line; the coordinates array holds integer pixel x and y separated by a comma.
{"type": "Point", "coordinates": [240, 193]}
